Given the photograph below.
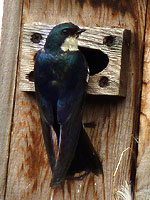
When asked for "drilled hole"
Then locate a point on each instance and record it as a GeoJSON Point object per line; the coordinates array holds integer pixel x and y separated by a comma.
{"type": "Point", "coordinates": [36, 37]}
{"type": "Point", "coordinates": [30, 76]}
{"type": "Point", "coordinates": [104, 81]}
{"type": "Point", "coordinates": [109, 40]}
{"type": "Point", "coordinates": [96, 59]}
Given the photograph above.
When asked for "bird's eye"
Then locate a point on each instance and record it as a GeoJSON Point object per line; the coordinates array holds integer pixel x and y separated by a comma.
{"type": "Point", "coordinates": [65, 31]}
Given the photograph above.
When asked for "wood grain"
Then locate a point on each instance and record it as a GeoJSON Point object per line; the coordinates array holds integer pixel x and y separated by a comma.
{"type": "Point", "coordinates": [8, 68]}
{"type": "Point", "coordinates": [1, 17]}
{"type": "Point", "coordinates": [116, 118]}
{"type": "Point", "coordinates": [143, 163]}
{"type": "Point", "coordinates": [113, 42]}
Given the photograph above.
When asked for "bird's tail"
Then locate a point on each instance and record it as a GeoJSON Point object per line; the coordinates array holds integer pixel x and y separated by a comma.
{"type": "Point", "coordinates": [85, 159]}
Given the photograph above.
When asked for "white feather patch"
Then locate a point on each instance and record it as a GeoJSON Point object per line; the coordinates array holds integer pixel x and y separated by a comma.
{"type": "Point", "coordinates": [88, 76]}
{"type": "Point", "coordinates": [70, 44]}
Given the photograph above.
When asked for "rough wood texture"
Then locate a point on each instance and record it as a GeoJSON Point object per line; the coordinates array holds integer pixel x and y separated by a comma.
{"type": "Point", "coordinates": [1, 17]}
{"type": "Point", "coordinates": [8, 67]}
{"type": "Point", "coordinates": [116, 118]}
{"type": "Point", "coordinates": [111, 41]}
{"type": "Point", "coordinates": [143, 163]}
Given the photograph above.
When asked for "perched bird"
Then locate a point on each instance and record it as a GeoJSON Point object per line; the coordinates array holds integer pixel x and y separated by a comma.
{"type": "Point", "coordinates": [60, 76]}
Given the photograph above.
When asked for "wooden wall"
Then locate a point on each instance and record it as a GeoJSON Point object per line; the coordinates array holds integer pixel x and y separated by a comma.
{"type": "Point", "coordinates": [10, 35]}
{"type": "Point", "coordinates": [143, 162]}
{"type": "Point", "coordinates": [24, 169]}
{"type": "Point", "coordinates": [1, 16]}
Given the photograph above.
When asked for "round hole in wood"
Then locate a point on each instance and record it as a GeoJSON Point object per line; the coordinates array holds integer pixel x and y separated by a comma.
{"type": "Point", "coordinates": [96, 59]}
{"type": "Point", "coordinates": [36, 37]}
{"type": "Point", "coordinates": [109, 40]}
{"type": "Point", "coordinates": [104, 81]}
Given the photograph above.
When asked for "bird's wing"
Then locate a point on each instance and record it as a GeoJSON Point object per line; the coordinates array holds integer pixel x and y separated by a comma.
{"type": "Point", "coordinates": [41, 73]}
{"type": "Point", "coordinates": [68, 110]}
{"type": "Point", "coordinates": [49, 135]}
{"type": "Point", "coordinates": [69, 116]}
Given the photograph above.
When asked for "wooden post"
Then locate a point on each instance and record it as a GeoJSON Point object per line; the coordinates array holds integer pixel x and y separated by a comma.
{"type": "Point", "coordinates": [143, 162]}
{"type": "Point", "coordinates": [1, 17]}
{"type": "Point", "coordinates": [28, 173]}
{"type": "Point", "coordinates": [8, 67]}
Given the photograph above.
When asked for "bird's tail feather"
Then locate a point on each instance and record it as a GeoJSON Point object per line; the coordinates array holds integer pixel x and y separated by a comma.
{"type": "Point", "coordinates": [85, 158]}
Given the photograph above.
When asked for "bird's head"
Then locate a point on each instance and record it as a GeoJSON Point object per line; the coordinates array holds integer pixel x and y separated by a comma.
{"type": "Point", "coordinates": [63, 37]}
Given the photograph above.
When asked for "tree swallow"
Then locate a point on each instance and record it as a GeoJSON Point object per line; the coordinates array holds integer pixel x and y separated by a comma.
{"type": "Point", "coordinates": [61, 74]}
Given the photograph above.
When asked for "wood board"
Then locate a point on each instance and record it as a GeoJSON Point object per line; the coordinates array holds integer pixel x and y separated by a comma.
{"type": "Point", "coordinates": [142, 189]}
{"type": "Point", "coordinates": [8, 67]}
{"type": "Point", "coordinates": [1, 17]}
{"type": "Point", "coordinates": [116, 118]}
{"type": "Point", "coordinates": [113, 42]}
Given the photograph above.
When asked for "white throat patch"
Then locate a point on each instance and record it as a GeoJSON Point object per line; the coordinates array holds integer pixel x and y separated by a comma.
{"type": "Point", "coordinates": [70, 44]}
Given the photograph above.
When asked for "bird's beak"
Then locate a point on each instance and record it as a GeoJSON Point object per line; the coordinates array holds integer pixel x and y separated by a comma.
{"type": "Point", "coordinates": [80, 31]}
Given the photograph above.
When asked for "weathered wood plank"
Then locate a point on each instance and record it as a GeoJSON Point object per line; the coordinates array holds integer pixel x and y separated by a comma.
{"type": "Point", "coordinates": [1, 17]}
{"type": "Point", "coordinates": [116, 118]}
{"type": "Point", "coordinates": [8, 67]}
{"type": "Point", "coordinates": [113, 42]}
{"type": "Point", "coordinates": [143, 162]}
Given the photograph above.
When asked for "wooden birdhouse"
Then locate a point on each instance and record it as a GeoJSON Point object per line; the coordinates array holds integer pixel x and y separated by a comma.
{"type": "Point", "coordinates": [116, 46]}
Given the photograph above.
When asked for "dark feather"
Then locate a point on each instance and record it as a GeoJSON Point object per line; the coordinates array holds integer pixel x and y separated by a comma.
{"type": "Point", "coordinates": [60, 85]}
{"type": "Point", "coordinates": [85, 158]}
